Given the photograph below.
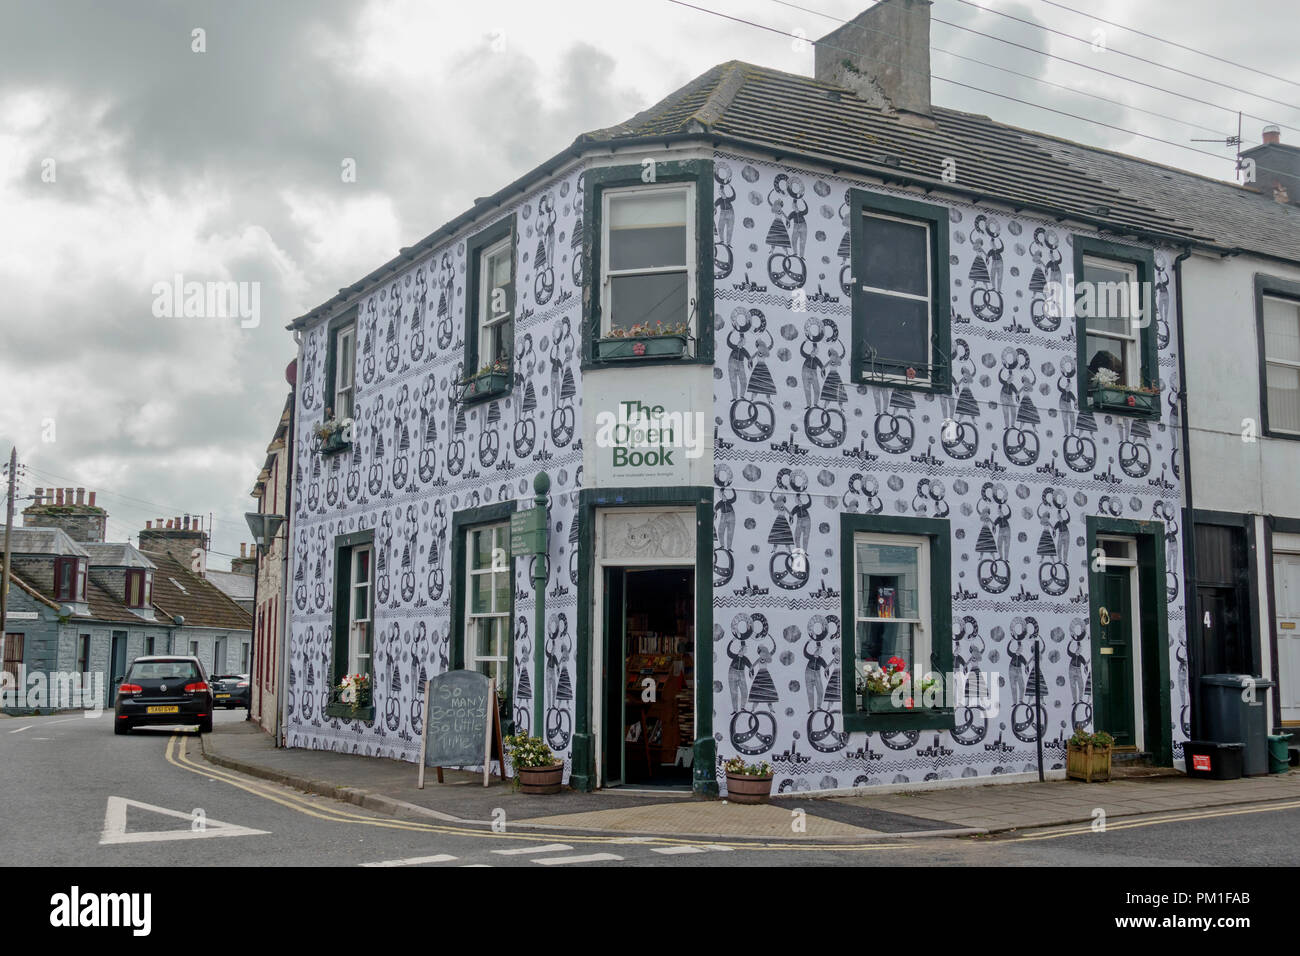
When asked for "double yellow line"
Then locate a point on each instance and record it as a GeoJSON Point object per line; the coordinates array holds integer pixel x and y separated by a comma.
{"type": "Point", "coordinates": [1125, 823]}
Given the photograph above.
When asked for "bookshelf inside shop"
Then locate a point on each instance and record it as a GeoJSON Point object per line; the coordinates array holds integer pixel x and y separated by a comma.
{"type": "Point", "coordinates": [659, 712]}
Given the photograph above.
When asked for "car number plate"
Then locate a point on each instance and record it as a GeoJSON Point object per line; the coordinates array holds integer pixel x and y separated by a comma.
{"type": "Point", "coordinates": [219, 696]}
{"type": "Point", "coordinates": [162, 710]}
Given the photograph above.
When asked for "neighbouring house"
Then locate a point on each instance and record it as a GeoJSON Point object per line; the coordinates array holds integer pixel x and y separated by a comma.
{"type": "Point", "coordinates": [271, 491]}
{"type": "Point", "coordinates": [82, 609]}
{"type": "Point", "coordinates": [239, 582]}
{"type": "Point", "coordinates": [1241, 311]}
{"type": "Point", "coordinates": [826, 380]}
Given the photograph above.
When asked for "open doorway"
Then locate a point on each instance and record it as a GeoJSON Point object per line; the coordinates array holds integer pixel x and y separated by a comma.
{"type": "Point", "coordinates": [650, 674]}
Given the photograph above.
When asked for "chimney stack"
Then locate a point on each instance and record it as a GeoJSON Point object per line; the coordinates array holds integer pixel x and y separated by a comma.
{"type": "Point", "coordinates": [67, 509]}
{"type": "Point", "coordinates": [883, 55]}
{"type": "Point", "coordinates": [1275, 167]}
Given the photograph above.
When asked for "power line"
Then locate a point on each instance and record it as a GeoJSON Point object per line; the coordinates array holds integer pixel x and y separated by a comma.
{"type": "Point", "coordinates": [167, 510]}
{"type": "Point", "coordinates": [1131, 56]}
{"type": "Point", "coordinates": [1173, 43]}
{"type": "Point", "coordinates": [1005, 96]}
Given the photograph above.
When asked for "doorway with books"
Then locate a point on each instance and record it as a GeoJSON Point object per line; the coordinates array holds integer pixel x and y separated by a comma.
{"type": "Point", "coordinates": [650, 698]}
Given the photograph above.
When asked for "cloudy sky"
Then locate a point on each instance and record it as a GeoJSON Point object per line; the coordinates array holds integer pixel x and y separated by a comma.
{"type": "Point", "coordinates": [128, 157]}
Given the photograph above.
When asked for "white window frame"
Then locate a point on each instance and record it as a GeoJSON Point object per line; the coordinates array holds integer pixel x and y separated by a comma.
{"type": "Point", "coordinates": [358, 625]}
{"type": "Point", "coordinates": [922, 649]}
{"type": "Point", "coordinates": [345, 372]}
{"type": "Point", "coordinates": [928, 298]}
{"type": "Point", "coordinates": [606, 273]}
{"type": "Point", "coordinates": [1282, 363]}
{"type": "Point", "coordinates": [500, 565]}
{"type": "Point", "coordinates": [1131, 343]}
{"type": "Point", "coordinates": [489, 325]}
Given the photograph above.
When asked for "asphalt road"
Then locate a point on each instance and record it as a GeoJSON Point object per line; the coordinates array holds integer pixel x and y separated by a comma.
{"type": "Point", "coordinates": [75, 794]}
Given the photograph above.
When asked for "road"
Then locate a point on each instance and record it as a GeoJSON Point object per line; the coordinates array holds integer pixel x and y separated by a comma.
{"type": "Point", "coordinates": [77, 795]}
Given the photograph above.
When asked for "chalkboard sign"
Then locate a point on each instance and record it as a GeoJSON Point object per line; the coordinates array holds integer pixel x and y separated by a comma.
{"type": "Point", "coordinates": [460, 723]}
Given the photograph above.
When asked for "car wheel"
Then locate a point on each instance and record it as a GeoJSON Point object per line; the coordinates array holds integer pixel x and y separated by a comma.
{"type": "Point", "coordinates": [121, 727]}
{"type": "Point", "coordinates": [205, 725]}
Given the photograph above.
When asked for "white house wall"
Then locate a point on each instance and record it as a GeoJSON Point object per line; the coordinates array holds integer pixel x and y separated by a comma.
{"type": "Point", "coordinates": [892, 460]}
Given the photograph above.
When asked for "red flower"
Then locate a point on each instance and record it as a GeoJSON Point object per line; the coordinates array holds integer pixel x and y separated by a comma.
{"type": "Point", "coordinates": [1132, 401]}
{"type": "Point", "coordinates": [909, 702]}
{"type": "Point", "coordinates": [911, 374]}
{"type": "Point", "coordinates": [638, 348]}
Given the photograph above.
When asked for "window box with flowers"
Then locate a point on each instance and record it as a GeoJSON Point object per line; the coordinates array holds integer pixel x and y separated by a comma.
{"type": "Point", "coordinates": [488, 382]}
{"type": "Point", "coordinates": [350, 699]}
{"type": "Point", "coordinates": [643, 342]}
{"type": "Point", "coordinates": [334, 434]}
{"type": "Point", "coordinates": [1106, 393]}
{"type": "Point", "coordinates": [891, 688]}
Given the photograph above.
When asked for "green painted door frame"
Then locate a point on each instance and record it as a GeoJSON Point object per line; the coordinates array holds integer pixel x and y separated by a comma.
{"type": "Point", "coordinates": [1153, 682]}
{"type": "Point", "coordinates": [587, 698]}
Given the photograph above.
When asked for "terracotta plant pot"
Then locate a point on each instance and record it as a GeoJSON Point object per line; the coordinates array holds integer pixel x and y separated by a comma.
{"type": "Point", "coordinates": [540, 779]}
{"type": "Point", "coordinates": [743, 788]}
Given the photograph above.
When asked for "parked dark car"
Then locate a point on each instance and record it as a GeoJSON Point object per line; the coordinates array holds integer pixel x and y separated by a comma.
{"type": "Point", "coordinates": [231, 690]}
{"type": "Point", "coordinates": [163, 690]}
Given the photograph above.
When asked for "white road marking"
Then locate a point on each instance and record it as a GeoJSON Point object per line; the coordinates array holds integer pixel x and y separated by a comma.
{"type": "Point", "coordinates": [690, 848]}
{"type": "Point", "coordinates": [115, 825]}
{"type": "Point", "coordinates": [415, 860]}
{"type": "Point", "coordinates": [21, 729]}
{"type": "Point", "coordinates": [548, 848]}
{"type": "Point", "coordinates": [587, 858]}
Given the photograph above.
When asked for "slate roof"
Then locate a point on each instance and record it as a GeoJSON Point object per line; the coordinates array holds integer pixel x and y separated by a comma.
{"type": "Point", "coordinates": [743, 105]}
{"type": "Point", "coordinates": [32, 590]}
{"type": "Point", "coordinates": [48, 541]}
{"type": "Point", "coordinates": [115, 555]}
{"type": "Point", "coordinates": [105, 607]}
{"type": "Point", "coordinates": [237, 587]}
{"type": "Point", "coordinates": [177, 590]}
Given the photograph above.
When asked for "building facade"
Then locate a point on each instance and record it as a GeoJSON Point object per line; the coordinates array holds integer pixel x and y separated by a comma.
{"type": "Point", "coordinates": [271, 492]}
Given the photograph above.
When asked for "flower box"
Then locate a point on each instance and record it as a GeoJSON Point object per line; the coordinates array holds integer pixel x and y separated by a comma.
{"type": "Point", "coordinates": [879, 704]}
{"type": "Point", "coordinates": [749, 788]}
{"type": "Point", "coordinates": [640, 347]}
{"type": "Point", "coordinates": [347, 712]}
{"type": "Point", "coordinates": [540, 779]}
{"type": "Point", "coordinates": [485, 385]}
{"type": "Point", "coordinates": [1124, 401]}
{"type": "Point", "coordinates": [1090, 763]}
{"type": "Point", "coordinates": [334, 443]}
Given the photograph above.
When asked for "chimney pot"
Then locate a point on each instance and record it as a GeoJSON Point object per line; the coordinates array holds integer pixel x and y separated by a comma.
{"type": "Point", "coordinates": [58, 496]}
{"type": "Point", "coordinates": [148, 526]}
{"type": "Point", "coordinates": [81, 496]}
{"type": "Point", "coordinates": [92, 499]}
{"type": "Point", "coordinates": [39, 492]}
{"type": "Point", "coordinates": [67, 496]}
{"type": "Point", "coordinates": [1272, 135]}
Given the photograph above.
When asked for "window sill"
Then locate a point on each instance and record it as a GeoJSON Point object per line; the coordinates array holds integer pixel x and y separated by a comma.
{"type": "Point", "coordinates": [1116, 401]}
{"type": "Point", "coordinates": [914, 385]}
{"type": "Point", "coordinates": [344, 711]}
{"type": "Point", "coordinates": [481, 388]}
{"type": "Point", "coordinates": [916, 719]}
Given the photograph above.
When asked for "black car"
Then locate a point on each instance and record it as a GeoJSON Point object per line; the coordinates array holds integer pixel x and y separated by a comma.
{"type": "Point", "coordinates": [231, 690]}
{"type": "Point", "coordinates": [163, 690]}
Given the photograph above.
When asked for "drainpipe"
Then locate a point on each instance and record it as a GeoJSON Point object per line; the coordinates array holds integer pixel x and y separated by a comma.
{"type": "Point", "coordinates": [1189, 529]}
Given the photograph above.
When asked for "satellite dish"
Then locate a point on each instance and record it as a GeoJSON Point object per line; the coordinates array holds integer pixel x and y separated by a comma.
{"type": "Point", "coordinates": [178, 619]}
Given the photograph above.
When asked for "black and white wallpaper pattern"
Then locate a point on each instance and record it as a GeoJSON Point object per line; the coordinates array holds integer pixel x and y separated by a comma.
{"type": "Point", "coordinates": [419, 457]}
{"type": "Point", "coordinates": [1016, 471]}
{"type": "Point", "coordinates": [796, 445]}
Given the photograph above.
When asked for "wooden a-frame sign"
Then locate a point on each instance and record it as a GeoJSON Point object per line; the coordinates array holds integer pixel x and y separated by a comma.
{"type": "Point", "coordinates": [456, 741]}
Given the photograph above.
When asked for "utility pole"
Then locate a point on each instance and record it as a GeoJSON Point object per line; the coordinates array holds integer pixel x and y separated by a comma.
{"type": "Point", "coordinates": [9, 526]}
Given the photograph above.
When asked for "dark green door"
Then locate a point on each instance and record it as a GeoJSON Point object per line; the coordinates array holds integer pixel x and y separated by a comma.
{"type": "Point", "coordinates": [615, 662]}
{"type": "Point", "coordinates": [117, 664]}
{"type": "Point", "coordinates": [1113, 693]}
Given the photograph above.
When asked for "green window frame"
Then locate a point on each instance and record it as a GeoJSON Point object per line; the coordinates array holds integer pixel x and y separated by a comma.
{"type": "Point", "coordinates": [462, 524]}
{"type": "Point", "coordinates": [478, 387]}
{"type": "Point", "coordinates": [339, 325]}
{"type": "Point", "coordinates": [1271, 287]}
{"type": "Point", "coordinates": [346, 592]}
{"type": "Point", "coordinates": [597, 182]}
{"type": "Point", "coordinates": [936, 533]}
{"type": "Point", "coordinates": [866, 365]}
{"type": "Point", "coordinates": [1142, 263]}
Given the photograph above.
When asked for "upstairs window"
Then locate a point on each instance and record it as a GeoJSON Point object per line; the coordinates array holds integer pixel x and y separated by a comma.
{"type": "Point", "coordinates": [899, 251]}
{"type": "Point", "coordinates": [1112, 319]}
{"type": "Point", "coordinates": [490, 312]}
{"type": "Point", "coordinates": [1281, 319]}
{"type": "Point", "coordinates": [70, 579]}
{"type": "Point", "coordinates": [495, 297]}
{"type": "Point", "coordinates": [648, 259]}
{"type": "Point", "coordinates": [139, 588]}
{"type": "Point", "coordinates": [1115, 328]}
{"type": "Point", "coordinates": [345, 361]}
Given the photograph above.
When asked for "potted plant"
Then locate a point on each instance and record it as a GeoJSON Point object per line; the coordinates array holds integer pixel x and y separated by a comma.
{"type": "Point", "coordinates": [644, 340]}
{"type": "Point", "coordinates": [877, 685]}
{"type": "Point", "coordinates": [334, 434]}
{"type": "Point", "coordinates": [1107, 392]}
{"type": "Point", "coordinates": [350, 698]}
{"type": "Point", "coordinates": [1088, 756]}
{"type": "Point", "coordinates": [536, 769]}
{"type": "Point", "coordinates": [491, 379]}
{"type": "Point", "coordinates": [748, 782]}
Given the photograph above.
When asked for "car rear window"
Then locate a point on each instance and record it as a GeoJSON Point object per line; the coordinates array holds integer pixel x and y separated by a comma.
{"type": "Point", "coordinates": [165, 670]}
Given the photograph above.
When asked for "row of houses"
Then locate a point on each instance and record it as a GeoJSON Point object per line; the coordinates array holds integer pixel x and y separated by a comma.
{"type": "Point", "coordinates": [821, 376]}
{"type": "Point", "coordinates": [81, 609]}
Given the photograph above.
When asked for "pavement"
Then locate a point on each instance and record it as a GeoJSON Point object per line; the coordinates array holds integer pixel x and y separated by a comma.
{"type": "Point", "coordinates": [389, 786]}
